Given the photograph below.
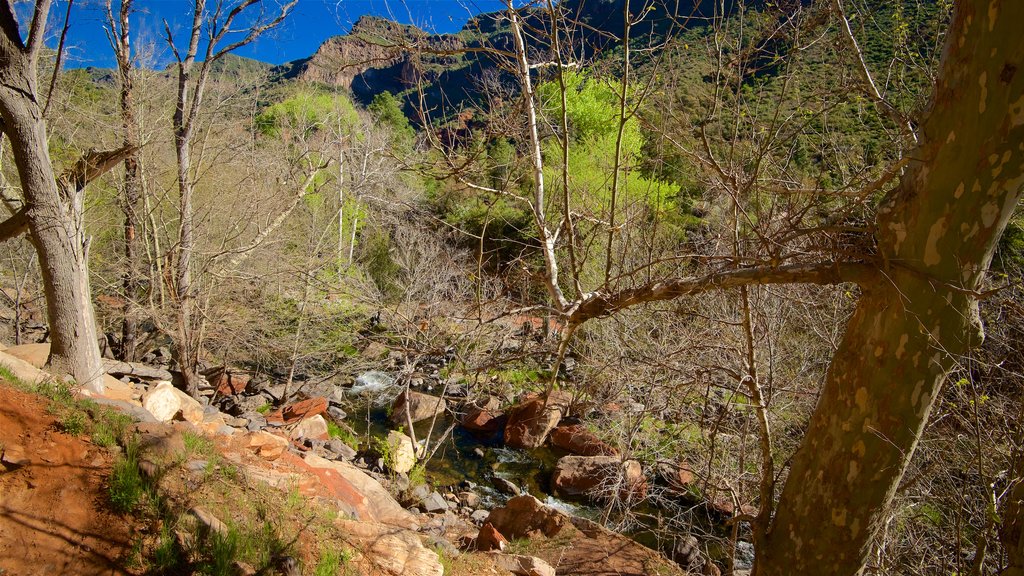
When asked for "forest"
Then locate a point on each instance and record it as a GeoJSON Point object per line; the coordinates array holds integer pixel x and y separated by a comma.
{"type": "Point", "coordinates": [732, 284]}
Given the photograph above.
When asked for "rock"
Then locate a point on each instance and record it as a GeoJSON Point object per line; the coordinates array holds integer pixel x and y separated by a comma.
{"type": "Point", "coordinates": [443, 545]}
{"type": "Point", "coordinates": [595, 476]}
{"type": "Point", "coordinates": [228, 383]}
{"type": "Point", "coordinates": [505, 486]}
{"type": "Point", "coordinates": [314, 428]}
{"type": "Point", "coordinates": [678, 477]}
{"type": "Point", "coordinates": [686, 552]}
{"type": "Point", "coordinates": [135, 369]}
{"type": "Point", "coordinates": [530, 422]}
{"type": "Point", "coordinates": [467, 498]}
{"type": "Point", "coordinates": [420, 407]}
{"type": "Point", "coordinates": [266, 445]}
{"type": "Point", "coordinates": [34, 354]}
{"type": "Point", "coordinates": [486, 421]}
{"type": "Point", "coordinates": [392, 552]}
{"type": "Point", "coordinates": [490, 539]}
{"type": "Point", "coordinates": [14, 456]}
{"type": "Point", "coordinates": [401, 452]}
{"type": "Point", "coordinates": [434, 504]}
{"type": "Point", "coordinates": [208, 521]}
{"type": "Point", "coordinates": [479, 516]}
{"type": "Point", "coordinates": [256, 421]}
{"type": "Point", "coordinates": [136, 412]}
{"type": "Point", "coordinates": [344, 451]}
{"type": "Point", "coordinates": [336, 414]}
{"type": "Point", "coordinates": [526, 517]}
{"type": "Point", "coordinates": [298, 411]}
{"type": "Point", "coordinates": [578, 440]}
{"type": "Point", "coordinates": [523, 565]}
{"type": "Point", "coordinates": [164, 402]}
{"type": "Point", "coordinates": [359, 495]}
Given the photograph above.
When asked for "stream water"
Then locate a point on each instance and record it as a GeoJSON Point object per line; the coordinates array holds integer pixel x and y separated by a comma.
{"type": "Point", "coordinates": [466, 456]}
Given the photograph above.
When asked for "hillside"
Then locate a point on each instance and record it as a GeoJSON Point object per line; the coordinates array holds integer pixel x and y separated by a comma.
{"type": "Point", "coordinates": [740, 295]}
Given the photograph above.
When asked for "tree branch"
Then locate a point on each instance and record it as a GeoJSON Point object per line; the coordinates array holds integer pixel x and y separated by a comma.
{"type": "Point", "coordinates": [14, 226]}
{"type": "Point", "coordinates": [599, 304]}
{"type": "Point", "coordinates": [92, 165]}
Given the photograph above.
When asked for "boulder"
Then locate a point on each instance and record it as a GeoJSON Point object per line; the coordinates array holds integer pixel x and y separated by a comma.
{"type": "Point", "coordinates": [678, 477]}
{"type": "Point", "coordinates": [578, 440]}
{"type": "Point", "coordinates": [314, 428]}
{"type": "Point", "coordinates": [165, 402]}
{"type": "Point", "coordinates": [597, 476]}
{"type": "Point", "coordinates": [530, 422]}
{"type": "Point", "coordinates": [420, 406]}
{"type": "Point", "coordinates": [523, 565]}
{"type": "Point", "coordinates": [490, 539]}
{"type": "Point", "coordinates": [390, 551]}
{"type": "Point", "coordinates": [344, 451]}
{"type": "Point", "coordinates": [229, 383]}
{"type": "Point", "coordinates": [266, 445]}
{"type": "Point", "coordinates": [297, 411]}
{"type": "Point", "coordinates": [434, 503]}
{"type": "Point", "coordinates": [506, 486]}
{"type": "Point", "coordinates": [526, 517]}
{"type": "Point", "coordinates": [34, 354]}
{"type": "Point", "coordinates": [401, 452]}
{"type": "Point", "coordinates": [358, 494]}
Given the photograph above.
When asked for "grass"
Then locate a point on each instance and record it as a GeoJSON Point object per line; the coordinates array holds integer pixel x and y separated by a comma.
{"type": "Point", "coordinates": [342, 433]}
{"type": "Point", "coordinates": [126, 485]}
{"type": "Point", "coordinates": [332, 562]}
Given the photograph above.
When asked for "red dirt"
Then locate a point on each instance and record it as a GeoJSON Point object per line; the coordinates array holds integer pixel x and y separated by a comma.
{"type": "Point", "coordinates": [54, 517]}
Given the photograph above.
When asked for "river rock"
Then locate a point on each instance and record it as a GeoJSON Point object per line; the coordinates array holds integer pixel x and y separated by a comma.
{"type": "Point", "coordinates": [595, 476]}
{"type": "Point", "coordinates": [526, 517]}
{"type": "Point", "coordinates": [530, 422]}
{"type": "Point", "coordinates": [420, 406]}
{"type": "Point", "coordinates": [490, 539]}
{"type": "Point", "coordinates": [402, 452]}
{"type": "Point", "coordinates": [506, 486]}
{"type": "Point", "coordinates": [578, 440]}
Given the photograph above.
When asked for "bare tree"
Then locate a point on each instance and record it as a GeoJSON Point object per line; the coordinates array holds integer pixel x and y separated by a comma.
{"type": "Point", "coordinates": [192, 81]}
{"type": "Point", "coordinates": [52, 212]}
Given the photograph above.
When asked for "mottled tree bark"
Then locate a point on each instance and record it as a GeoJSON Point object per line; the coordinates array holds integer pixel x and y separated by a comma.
{"type": "Point", "coordinates": [54, 215]}
{"type": "Point", "coordinates": [936, 234]}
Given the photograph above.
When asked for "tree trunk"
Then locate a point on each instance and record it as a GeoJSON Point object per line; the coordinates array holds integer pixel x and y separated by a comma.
{"type": "Point", "coordinates": [936, 234]}
{"type": "Point", "coordinates": [56, 231]}
{"type": "Point", "coordinates": [131, 280]}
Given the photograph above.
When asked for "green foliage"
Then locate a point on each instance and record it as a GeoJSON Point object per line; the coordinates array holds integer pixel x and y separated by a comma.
{"type": "Point", "coordinates": [332, 561]}
{"type": "Point", "coordinates": [196, 444]}
{"type": "Point", "coordinates": [342, 433]}
{"type": "Point", "coordinates": [387, 109]}
{"type": "Point", "coordinates": [266, 408]}
{"type": "Point", "coordinates": [306, 113]}
{"type": "Point", "coordinates": [376, 260]}
{"type": "Point", "coordinates": [417, 476]}
{"type": "Point", "coordinates": [126, 485]}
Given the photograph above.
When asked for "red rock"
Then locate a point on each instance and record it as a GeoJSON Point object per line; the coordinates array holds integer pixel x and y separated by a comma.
{"type": "Point", "coordinates": [526, 517]}
{"type": "Point", "coordinates": [578, 440]}
{"type": "Point", "coordinates": [483, 420]}
{"type": "Point", "coordinates": [295, 412]}
{"type": "Point", "coordinates": [530, 422]}
{"type": "Point", "coordinates": [490, 539]}
{"type": "Point", "coordinates": [594, 476]}
{"type": "Point", "coordinates": [228, 383]}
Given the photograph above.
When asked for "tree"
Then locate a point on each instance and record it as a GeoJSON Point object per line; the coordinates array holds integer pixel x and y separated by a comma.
{"type": "Point", "coordinates": [52, 211]}
{"type": "Point", "coordinates": [192, 80]}
{"type": "Point", "coordinates": [119, 34]}
{"type": "Point", "coordinates": [921, 270]}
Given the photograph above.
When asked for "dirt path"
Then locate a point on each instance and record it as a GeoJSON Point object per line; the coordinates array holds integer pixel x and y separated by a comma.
{"type": "Point", "coordinates": [54, 517]}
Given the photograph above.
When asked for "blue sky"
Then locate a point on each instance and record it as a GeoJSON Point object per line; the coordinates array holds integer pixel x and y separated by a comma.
{"type": "Point", "coordinates": [312, 22]}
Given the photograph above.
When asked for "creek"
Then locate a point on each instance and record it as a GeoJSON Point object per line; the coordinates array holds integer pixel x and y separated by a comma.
{"type": "Point", "coordinates": [464, 456]}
